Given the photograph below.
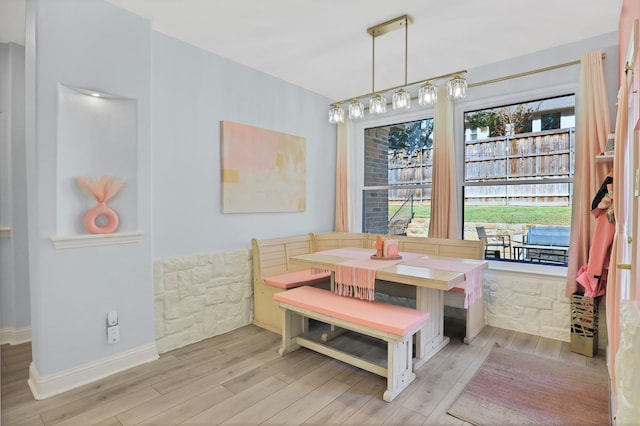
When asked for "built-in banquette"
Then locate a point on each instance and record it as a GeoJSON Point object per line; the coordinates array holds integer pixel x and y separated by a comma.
{"type": "Point", "coordinates": [273, 273]}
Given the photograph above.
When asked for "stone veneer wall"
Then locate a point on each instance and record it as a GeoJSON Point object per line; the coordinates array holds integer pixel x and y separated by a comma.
{"type": "Point", "coordinates": [201, 296]}
{"type": "Point", "coordinates": [534, 304]}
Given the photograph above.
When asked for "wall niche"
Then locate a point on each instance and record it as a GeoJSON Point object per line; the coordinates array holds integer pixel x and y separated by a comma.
{"type": "Point", "coordinates": [96, 136]}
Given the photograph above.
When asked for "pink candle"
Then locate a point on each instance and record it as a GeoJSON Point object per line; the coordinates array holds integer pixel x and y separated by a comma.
{"type": "Point", "coordinates": [379, 245]}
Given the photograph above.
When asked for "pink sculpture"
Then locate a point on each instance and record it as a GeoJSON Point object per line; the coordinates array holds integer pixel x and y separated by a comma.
{"type": "Point", "coordinates": [102, 190]}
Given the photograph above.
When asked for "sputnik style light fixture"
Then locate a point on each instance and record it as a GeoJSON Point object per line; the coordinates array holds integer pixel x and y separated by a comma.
{"type": "Point", "coordinates": [401, 99]}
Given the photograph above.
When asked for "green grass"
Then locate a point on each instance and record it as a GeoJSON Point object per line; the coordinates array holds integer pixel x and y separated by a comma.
{"type": "Point", "coordinates": [503, 214]}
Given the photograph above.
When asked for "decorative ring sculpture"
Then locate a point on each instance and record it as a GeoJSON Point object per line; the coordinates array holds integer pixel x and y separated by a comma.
{"type": "Point", "coordinates": [102, 190]}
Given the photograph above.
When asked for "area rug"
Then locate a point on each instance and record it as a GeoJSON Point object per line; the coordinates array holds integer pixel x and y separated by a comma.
{"type": "Point", "coordinates": [513, 388]}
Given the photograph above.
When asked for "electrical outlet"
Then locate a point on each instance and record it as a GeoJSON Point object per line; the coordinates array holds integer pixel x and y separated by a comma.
{"type": "Point", "coordinates": [113, 334]}
{"type": "Point", "coordinates": [112, 318]}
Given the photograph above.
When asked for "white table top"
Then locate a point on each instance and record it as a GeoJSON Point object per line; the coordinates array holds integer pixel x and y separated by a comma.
{"type": "Point", "coordinates": [399, 273]}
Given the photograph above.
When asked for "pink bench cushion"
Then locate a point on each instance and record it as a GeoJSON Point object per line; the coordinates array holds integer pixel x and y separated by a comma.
{"type": "Point", "coordinates": [393, 319]}
{"type": "Point", "coordinates": [460, 288]}
{"type": "Point", "coordinates": [297, 278]}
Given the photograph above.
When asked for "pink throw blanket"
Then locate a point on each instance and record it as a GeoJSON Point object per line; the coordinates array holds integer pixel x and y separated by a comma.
{"type": "Point", "coordinates": [472, 273]}
{"type": "Point", "coordinates": [357, 277]}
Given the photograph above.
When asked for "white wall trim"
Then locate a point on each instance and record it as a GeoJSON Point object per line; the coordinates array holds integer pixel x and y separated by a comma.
{"type": "Point", "coordinates": [91, 240]}
{"type": "Point", "coordinates": [528, 268]}
{"type": "Point", "coordinates": [47, 386]}
{"type": "Point", "coordinates": [5, 232]}
{"type": "Point", "coordinates": [15, 336]}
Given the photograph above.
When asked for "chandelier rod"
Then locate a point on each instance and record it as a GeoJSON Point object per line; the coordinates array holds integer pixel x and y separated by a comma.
{"type": "Point", "coordinates": [415, 83]}
{"type": "Point", "coordinates": [406, 49]}
{"type": "Point", "coordinates": [373, 64]}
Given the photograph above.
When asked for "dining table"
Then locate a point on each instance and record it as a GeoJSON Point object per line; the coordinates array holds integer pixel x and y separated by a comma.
{"type": "Point", "coordinates": [409, 269]}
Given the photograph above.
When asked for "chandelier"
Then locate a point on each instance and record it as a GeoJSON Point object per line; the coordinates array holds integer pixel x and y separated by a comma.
{"type": "Point", "coordinates": [401, 99]}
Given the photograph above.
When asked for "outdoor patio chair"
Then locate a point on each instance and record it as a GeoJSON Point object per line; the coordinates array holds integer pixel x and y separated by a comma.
{"type": "Point", "coordinates": [497, 241]}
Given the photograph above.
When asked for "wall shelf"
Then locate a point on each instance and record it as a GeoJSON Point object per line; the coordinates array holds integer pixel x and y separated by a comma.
{"type": "Point", "coordinates": [92, 240]}
{"type": "Point", "coordinates": [604, 158]}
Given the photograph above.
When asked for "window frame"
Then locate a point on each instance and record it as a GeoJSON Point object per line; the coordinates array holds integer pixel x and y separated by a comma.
{"type": "Point", "coordinates": [357, 136]}
{"type": "Point", "coordinates": [469, 105]}
{"type": "Point", "coordinates": [476, 99]}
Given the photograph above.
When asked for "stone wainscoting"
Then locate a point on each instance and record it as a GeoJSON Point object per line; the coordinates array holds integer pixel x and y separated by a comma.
{"type": "Point", "coordinates": [532, 303]}
{"type": "Point", "coordinates": [201, 296]}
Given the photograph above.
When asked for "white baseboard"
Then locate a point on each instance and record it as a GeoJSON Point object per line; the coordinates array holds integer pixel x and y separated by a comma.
{"type": "Point", "coordinates": [46, 386]}
{"type": "Point", "coordinates": [15, 336]}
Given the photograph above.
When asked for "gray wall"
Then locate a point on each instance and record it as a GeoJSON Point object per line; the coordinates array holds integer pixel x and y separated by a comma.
{"type": "Point", "coordinates": [566, 77]}
{"type": "Point", "coordinates": [192, 92]}
{"type": "Point", "coordinates": [93, 45]}
{"type": "Point", "coordinates": [14, 272]}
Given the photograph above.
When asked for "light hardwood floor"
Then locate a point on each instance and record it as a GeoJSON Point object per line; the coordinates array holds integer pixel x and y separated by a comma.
{"type": "Point", "coordinates": [238, 378]}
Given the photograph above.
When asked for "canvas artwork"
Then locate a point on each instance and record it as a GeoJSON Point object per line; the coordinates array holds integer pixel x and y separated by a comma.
{"type": "Point", "coordinates": [262, 170]}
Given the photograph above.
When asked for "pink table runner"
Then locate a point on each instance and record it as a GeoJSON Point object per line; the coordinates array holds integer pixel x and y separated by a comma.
{"type": "Point", "coordinates": [472, 273]}
{"type": "Point", "coordinates": [357, 277]}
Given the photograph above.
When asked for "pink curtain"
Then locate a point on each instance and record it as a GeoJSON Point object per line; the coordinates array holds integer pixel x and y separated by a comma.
{"type": "Point", "coordinates": [444, 200]}
{"type": "Point", "coordinates": [613, 280]}
{"type": "Point", "coordinates": [592, 127]}
{"type": "Point", "coordinates": [344, 221]}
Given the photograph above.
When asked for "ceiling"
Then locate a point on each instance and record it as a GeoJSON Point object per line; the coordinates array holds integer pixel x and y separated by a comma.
{"type": "Point", "coordinates": [324, 46]}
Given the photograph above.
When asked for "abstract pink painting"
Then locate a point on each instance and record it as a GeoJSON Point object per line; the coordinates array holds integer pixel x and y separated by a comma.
{"type": "Point", "coordinates": [262, 170]}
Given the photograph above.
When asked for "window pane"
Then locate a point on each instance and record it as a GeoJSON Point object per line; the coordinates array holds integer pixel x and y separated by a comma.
{"type": "Point", "coordinates": [397, 176]}
{"type": "Point", "coordinates": [518, 228]}
{"type": "Point", "coordinates": [532, 142]}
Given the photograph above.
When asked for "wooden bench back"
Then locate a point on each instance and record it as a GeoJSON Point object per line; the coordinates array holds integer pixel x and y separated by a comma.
{"type": "Point", "coordinates": [271, 257]}
{"type": "Point", "coordinates": [332, 240]}
{"type": "Point", "coordinates": [468, 249]}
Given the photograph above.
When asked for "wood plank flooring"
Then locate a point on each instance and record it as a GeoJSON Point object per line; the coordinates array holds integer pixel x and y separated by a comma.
{"type": "Point", "coordinates": [239, 379]}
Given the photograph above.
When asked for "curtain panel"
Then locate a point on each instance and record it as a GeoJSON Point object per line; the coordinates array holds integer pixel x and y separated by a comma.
{"type": "Point", "coordinates": [344, 220]}
{"type": "Point", "coordinates": [592, 127]}
{"type": "Point", "coordinates": [444, 201]}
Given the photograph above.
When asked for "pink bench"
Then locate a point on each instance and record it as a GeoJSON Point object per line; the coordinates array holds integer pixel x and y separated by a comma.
{"type": "Point", "coordinates": [394, 324]}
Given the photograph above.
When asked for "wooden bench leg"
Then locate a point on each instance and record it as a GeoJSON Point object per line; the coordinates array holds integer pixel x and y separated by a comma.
{"type": "Point", "coordinates": [400, 367]}
{"type": "Point", "coordinates": [332, 333]}
{"type": "Point", "coordinates": [294, 325]}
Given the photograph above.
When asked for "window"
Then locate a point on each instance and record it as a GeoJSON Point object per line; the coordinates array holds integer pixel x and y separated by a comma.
{"type": "Point", "coordinates": [397, 177]}
{"type": "Point", "coordinates": [518, 179]}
